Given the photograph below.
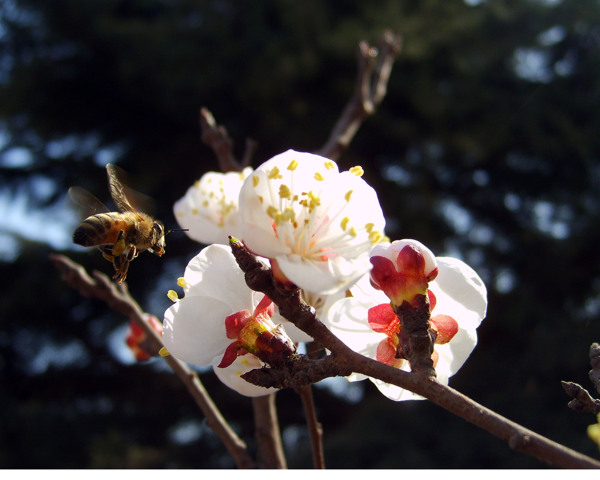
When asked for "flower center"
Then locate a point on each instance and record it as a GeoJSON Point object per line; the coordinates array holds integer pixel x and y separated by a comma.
{"type": "Point", "coordinates": [312, 225]}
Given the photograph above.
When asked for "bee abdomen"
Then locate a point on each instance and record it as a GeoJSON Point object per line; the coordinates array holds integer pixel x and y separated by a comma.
{"type": "Point", "coordinates": [95, 230]}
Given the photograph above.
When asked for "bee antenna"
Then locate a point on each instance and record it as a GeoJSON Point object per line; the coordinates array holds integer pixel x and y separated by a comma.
{"type": "Point", "coordinates": [177, 230]}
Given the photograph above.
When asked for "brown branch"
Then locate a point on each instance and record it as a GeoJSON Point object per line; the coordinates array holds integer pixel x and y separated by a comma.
{"type": "Point", "coordinates": [414, 319]}
{"type": "Point", "coordinates": [270, 449]}
{"type": "Point", "coordinates": [217, 138]}
{"type": "Point", "coordinates": [315, 429]}
{"type": "Point", "coordinates": [374, 69]}
{"type": "Point", "coordinates": [117, 298]}
{"type": "Point", "coordinates": [594, 373]}
{"type": "Point", "coordinates": [582, 400]}
{"type": "Point", "coordinates": [344, 359]}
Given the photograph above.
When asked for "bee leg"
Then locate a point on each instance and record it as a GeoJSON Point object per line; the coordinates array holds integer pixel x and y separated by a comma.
{"type": "Point", "coordinates": [119, 246]}
{"type": "Point", "coordinates": [132, 253]}
{"type": "Point", "coordinates": [121, 274]}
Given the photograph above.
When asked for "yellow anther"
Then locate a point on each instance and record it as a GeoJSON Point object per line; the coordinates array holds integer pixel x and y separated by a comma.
{"type": "Point", "coordinates": [163, 352]}
{"type": "Point", "coordinates": [273, 212]}
{"type": "Point", "coordinates": [344, 223]}
{"type": "Point", "coordinates": [315, 200]}
{"type": "Point", "coordinates": [348, 195]}
{"type": "Point", "coordinates": [284, 191]}
{"type": "Point", "coordinates": [261, 199]}
{"type": "Point", "coordinates": [293, 165]}
{"type": "Point", "coordinates": [369, 227]}
{"type": "Point", "coordinates": [352, 232]}
{"type": "Point", "coordinates": [172, 294]}
{"type": "Point", "coordinates": [195, 210]}
{"type": "Point", "coordinates": [255, 180]}
{"type": "Point", "coordinates": [274, 174]}
{"type": "Point", "coordinates": [181, 282]}
{"type": "Point", "coordinates": [375, 237]}
{"type": "Point", "coordinates": [319, 177]}
{"type": "Point", "coordinates": [197, 184]}
{"type": "Point", "coordinates": [358, 171]}
{"type": "Point", "coordinates": [288, 214]}
{"type": "Point", "coordinates": [329, 165]}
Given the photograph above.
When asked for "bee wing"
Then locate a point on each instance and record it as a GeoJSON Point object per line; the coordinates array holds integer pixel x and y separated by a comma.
{"type": "Point", "coordinates": [85, 202]}
{"type": "Point", "coordinates": [126, 198]}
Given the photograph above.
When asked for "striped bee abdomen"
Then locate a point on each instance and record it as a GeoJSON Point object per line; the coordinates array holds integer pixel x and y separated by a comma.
{"type": "Point", "coordinates": [99, 229]}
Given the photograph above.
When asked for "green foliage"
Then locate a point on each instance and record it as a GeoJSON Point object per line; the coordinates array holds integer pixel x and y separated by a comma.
{"type": "Point", "coordinates": [486, 147]}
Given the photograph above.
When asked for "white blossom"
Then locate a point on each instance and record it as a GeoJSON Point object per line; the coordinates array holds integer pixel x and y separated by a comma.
{"type": "Point", "coordinates": [459, 293]}
{"type": "Point", "coordinates": [209, 209]}
{"type": "Point", "coordinates": [315, 224]}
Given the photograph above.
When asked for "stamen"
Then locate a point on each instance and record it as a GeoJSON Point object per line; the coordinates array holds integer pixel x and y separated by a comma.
{"type": "Point", "coordinates": [319, 177]}
{"type": "Point", "coordinates": [357, 170]}
{"type": "Point", "coordinates": [329, 165]}
{"type": "Point", "coordinates": [375, 237]}
{"type": "Point", "coordinates": [348, 195]}
{"type": "Point", "coordinates": [274, 174]}
{"type": "Point", "coordinates": [163, 352]}
{"type": "Point", "coordinates": [181, 282]}
{"type": "Point", "coordinates": [172, 294]}
{"type": "Point", "coordinates": [255, 180]}
{"type": "Point", "coordinates": [284, 191]}
{"type": "Point", "coordinates": [293, 165]}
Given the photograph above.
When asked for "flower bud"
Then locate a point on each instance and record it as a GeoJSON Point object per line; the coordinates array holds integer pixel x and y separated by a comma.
{"type": "Point", "coordinates": [138, 341]}
{"type": "Point", "coordinates": [402, 270]}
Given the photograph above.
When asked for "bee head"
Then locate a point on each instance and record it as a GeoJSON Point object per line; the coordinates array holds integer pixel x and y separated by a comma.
{"type": "Point", "coordinates": [158, 237]}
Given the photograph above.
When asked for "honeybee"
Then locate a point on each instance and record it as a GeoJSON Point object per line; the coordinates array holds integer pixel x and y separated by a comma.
{"type": "Point", "coordinates": [120, 236]}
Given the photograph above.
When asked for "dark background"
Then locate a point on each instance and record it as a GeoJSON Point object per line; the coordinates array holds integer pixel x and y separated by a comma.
{"type": "Point", "coordinates": [486, 148]}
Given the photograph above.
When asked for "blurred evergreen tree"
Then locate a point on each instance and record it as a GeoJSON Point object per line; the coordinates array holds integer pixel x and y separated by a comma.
{"type": "Point", "coordinates": [486, 147]}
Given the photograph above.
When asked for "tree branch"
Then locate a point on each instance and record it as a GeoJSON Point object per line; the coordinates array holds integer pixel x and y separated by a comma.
{"type": "Point", "coordinates": [217, 138]}
{"type": "Point", "coordinates": [118, 299]}
{"type": "Point", "coordinates": [270, 449]}
{"type": "Point", "coordinates": [594, 373]}
{"type": "Point", "coordinates": [315, 429]}
{"type": "Point", "coordinates": [374, 69]}
{"type": "Point", "coordinates": [343, 360]}
{"type": "Point", "coordinates": [582, 400]}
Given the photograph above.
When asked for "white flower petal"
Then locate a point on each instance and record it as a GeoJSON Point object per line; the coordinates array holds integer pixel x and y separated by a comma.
{"type": "Point", "coordinates": [347, 320]}
{"type": "Point", "coordinates": [215, 273]}
{"type": "Point", "coordinates": [209, 209]}
{"type": "Point", "coordinates": [230, 376]}
{"type": "Point", "coordinates": [326, 277]}
{"type": "Point", "coordinates": [194, 329]}
{"type": "Point", "coordinates": [460, 292]}
{"type": "Point", "coordinates": [395, 393]}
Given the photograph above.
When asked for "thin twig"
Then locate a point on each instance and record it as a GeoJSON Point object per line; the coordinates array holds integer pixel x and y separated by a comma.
{"type": "Point", "coordinates": [374, 69]}
{"type": "Point", "coordinates": [119, 300]}
{"type": "Point", "coordinates": [268, 437]}
{"type": "Point", "coordinates": [217, 138]}
{"type": "Point", "coordinates": [315, 429]}
{"type": "Point", "coordinates": [342, 358]}
{"type": "Point", "coordinates": [582, 400]}
{"type": "Point", "coordinates": [594, 373]}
